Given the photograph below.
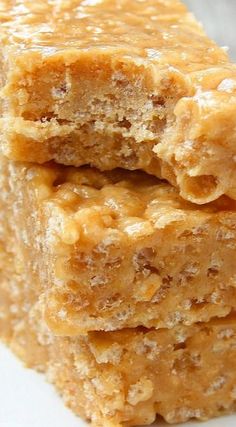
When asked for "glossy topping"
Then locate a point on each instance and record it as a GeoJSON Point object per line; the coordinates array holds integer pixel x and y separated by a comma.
{"type": "Point", "coordinates": [154, 31]}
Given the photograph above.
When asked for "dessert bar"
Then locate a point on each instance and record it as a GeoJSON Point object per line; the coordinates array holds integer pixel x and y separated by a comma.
{"type": "Point", "coordinates": [120, 249]}
{"type": "Point", "coordinates": [116, 83]}
{"type": "Point", "coordinates": [124, 378]}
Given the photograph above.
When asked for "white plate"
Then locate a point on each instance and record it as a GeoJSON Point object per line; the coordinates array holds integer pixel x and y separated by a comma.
{"type": "Point", "coordinates": [26, 400]}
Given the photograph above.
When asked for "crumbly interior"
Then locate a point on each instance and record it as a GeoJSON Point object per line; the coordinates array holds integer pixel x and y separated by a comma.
{"type": "Point", "coordinates": [127, 377]}
{"type": "Point", "coordinates": [117, 84]}
{"type": "Point", "coordinates": [120, 249]}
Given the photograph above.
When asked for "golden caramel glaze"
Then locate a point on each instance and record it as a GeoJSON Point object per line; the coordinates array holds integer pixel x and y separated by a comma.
{"type": "Point", "coordinates": [123, 378]}
{"type": "Point", "coordinates": [116, 83]}
{"type": "Point", "coordinates": [120, 249]}
{"type": "Point", "coordinates": [115, 26]}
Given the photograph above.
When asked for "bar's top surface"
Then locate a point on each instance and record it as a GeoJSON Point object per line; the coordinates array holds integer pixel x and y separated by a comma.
{"type": "Point", "coordinates": [159, 31]}
{"type": "Point", "coordinates": [125, 193]}
{"type": "Point", "coordinates": [86, 205]}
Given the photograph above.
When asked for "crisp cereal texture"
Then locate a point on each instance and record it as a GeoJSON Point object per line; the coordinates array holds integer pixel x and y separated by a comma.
{"type": "Point", "coordinates": [122, 378]}
{"type": "Point", "coordinates": [116, 83]}
{"type": "Point", "coordinates": [120, 249]}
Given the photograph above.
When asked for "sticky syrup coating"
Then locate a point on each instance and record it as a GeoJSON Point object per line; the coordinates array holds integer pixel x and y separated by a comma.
{"type": "Point", "coordinates": [117, 83]}
{"type": "Point", "coordinates": [120, 249]}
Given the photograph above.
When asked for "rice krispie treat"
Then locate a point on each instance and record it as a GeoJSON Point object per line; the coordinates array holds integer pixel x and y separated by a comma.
{"type": "Point", "coordinates": [123, 378]}
{"type": "Point", "coordinates": [115, 83]}
{"type": "Point", "coordinates": [120, 249]}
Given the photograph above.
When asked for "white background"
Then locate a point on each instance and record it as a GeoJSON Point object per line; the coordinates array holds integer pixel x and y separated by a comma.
{"type": "Point", "coordinates": [218, 18]}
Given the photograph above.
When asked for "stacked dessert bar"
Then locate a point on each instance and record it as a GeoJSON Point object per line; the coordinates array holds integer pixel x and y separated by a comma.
{"type": "Point", "coordinates": [118, 207]}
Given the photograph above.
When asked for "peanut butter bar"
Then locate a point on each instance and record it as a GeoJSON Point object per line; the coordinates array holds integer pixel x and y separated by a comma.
{"type": "Point", "coordinates": [115, 83]}
{"type": "Point", "coordinates": [120, 249]}
{"type": "Point", "coordinates": [123, 378]}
